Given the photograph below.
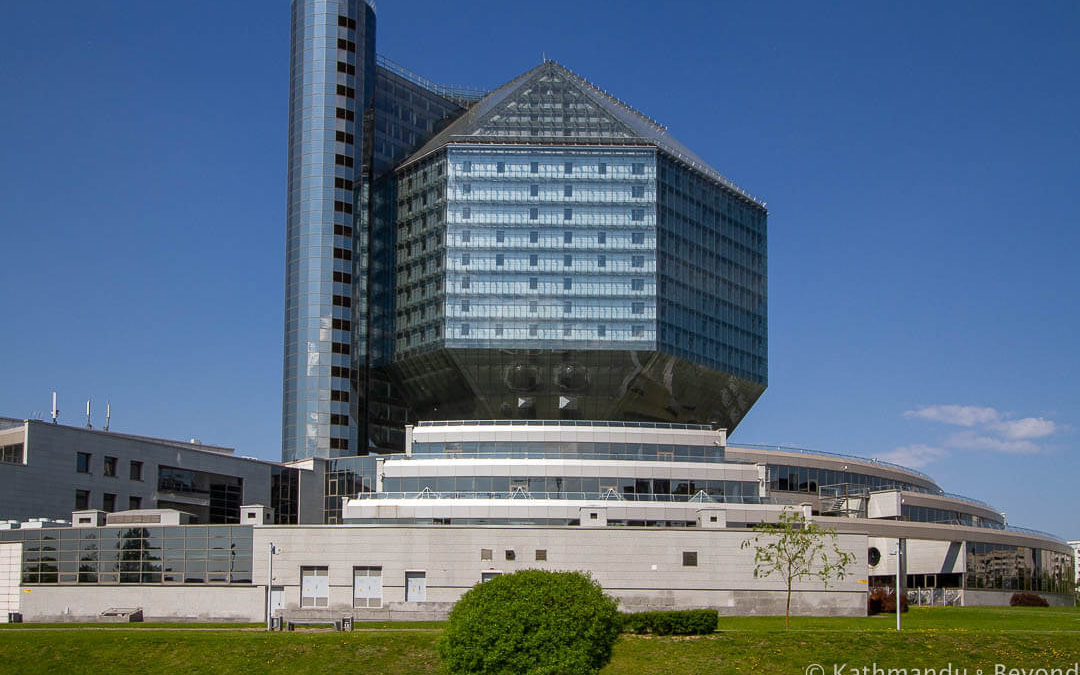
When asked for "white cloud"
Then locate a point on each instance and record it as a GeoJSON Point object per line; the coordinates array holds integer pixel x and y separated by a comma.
{"type": "Point", "coordinates": [969, 440]}
{"type": "Point", "coordinates": [962, 415]}
{"type": "Point", "coordinates": [1029, 427]}
{"type": "Point", "coordinates": [914, 456]}
{"type": "Point", "coordinates": [988, 429]}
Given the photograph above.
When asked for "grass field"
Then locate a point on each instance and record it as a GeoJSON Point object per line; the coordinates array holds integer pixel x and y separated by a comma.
{"type": "Point", "coordinates": [963, 638]}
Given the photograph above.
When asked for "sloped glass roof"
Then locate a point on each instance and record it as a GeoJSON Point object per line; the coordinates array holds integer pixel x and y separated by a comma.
{"type": "Point", "coordinates": [551, 105]}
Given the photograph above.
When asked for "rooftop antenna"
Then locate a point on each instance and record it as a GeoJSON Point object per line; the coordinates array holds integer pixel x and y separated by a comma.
{"type": "Point", "coordinates": [55, 410]}
{"type": "Point", "coordinates": [108, 414]}
{"type": "Point", "coordinates": [88, 425]}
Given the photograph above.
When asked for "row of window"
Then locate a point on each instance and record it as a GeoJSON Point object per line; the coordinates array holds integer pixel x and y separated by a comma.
{"type": "Point", "coordinates": [636, 191]}
{"type": "Point", "coordinates": [465, 237]}
{"type": "Point", "coordinates": [573, 487]}
{"type": "Point", "coordinates": [636, 284]}
{"type": "Point", "coordinates": [547, 331]}
{"type": "Point", "coordinates": [636, 168]}
{"type": "Point", "coordinates": [567, 307]}
{"type": "Point", "coordinates": [637, 215]}
{"type": "Point", "coordinates": [567, 260]}
{"type": "Point", "coordinates": [83, 500]}
{"type": "Point", "coordinates": [84, 464]}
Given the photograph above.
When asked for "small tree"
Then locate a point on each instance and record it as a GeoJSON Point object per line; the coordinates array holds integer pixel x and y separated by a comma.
{"type": "Point", "coordinates": [797, 549]}
{"type": "Point", "coordinates": [531, 622]}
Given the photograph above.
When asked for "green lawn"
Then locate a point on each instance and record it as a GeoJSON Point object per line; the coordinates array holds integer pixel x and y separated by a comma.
{"type": "Point", "coordinates": [971, 638]}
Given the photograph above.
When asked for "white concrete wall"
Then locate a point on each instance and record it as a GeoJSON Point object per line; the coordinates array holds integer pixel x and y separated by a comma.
{"type": "Point", "coordinates": [924, 556]}
{"type": "Point", "coordinates": [170, 603]}
{"type": "Point", "coordinates": [10, 573]}
{"type": "Point", "coordinates": [642, 567]}
{"type": "Point", "coordinates": [972, 598]}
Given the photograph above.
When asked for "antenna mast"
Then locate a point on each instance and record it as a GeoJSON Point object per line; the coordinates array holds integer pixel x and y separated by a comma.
{"type": "Point", "coordinates": [108, 414]}
{"type": "Point", "coordinates": [88, 425]}
{"type": "Point", "coordinates": [55, 410]}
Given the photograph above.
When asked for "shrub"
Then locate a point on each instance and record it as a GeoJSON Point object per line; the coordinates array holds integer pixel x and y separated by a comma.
{"type": "Point", "coordinates": [884, 600]}
{"type": "Point", "coordinates": [1028, 600]}
{"type": "Point", "coordinates": [532, 621]}
{"type": "Point", "coordinates": [684, 622]}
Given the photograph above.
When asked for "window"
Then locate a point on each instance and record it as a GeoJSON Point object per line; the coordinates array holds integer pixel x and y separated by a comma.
{"type": "Point", "coordinates": [466, 167]}
{"type": "Point", "coordinates": [534, 190]}
{"type": "Point", "coordinates": [637, 237]}
{"type": "Point", "coordinates": [12, 454]}
{"type": "Point", "coordinates": [500, 167]}
{"type": "Point", "coordinates": [343, 160]}
{"type": "Point", "coordinates": [134, 503]}
{"type": "Point", "coordinates": [601, 330]}
{"type": "Point", "coordinates": [638, 308]}
{"type": "Point", "coordinates": [342, 254]}
{"type": "Point", "coordinates": [314, 587]}
{"type": "Point", "coordinates": [541, 554]}
{"type": "Point", "coordinates": [488, 576]}
{"type": "Point", "coordinates": [341, 301]}
{"type": "Point", "coordinates": [108, 502]}
{"type": "Point", "coordinates": [533, 282]}
{"type": "Point", "coordinates": [601, 237]}
{"type": "Point", "coordinates": [567, 260]}
{"type": "Point", "coordinates": [135, 471]}
{"type": "Point", "coordinates": [534, 260]}
{"type": "Point", "coordinates": [568, 214]}
{"type": "Point", "coordinates": [498, 329]}
{"type": "Point", "coordinates": [340, 348]}
{"type": "Point", "coordinates": [534, 214]}
{"type": "Point", "coordinates": [637, 169]}
{"type": "Point", "coordinates": [464, 305]}
{"type": "Point", "coordinates": [567, 283]}
{"type": "Point", "coordinates": [637, 330]}
{"type": "Point", "coordinates": [637, 284]}
{"type": "Point", "coordinates": [689, 559]}
{"type": "Point", "coordinates": [466, 188]}
{"type": "Point", "coordinates": [510, 555]}
{"type": "Point", "coordinates": [499, 259]}
{"type": "Point", "coordinates": [347, 68]}
{"type": "Point", "coordinates": [500, 236]}
{"type": "Point", "coordinates": [348, 116]}
{"type": "Point", "coordinates": [339, 395]}
{"type": "Point", "coordinates": [466, 282]}
{"type": "Point", "coordinates": [344, 183]}
{"type": "Point", "coordinates": [601, 261]}
{"type": "Point", "coordinates": [567, 307]}
{"type": "Point", "coordinates": [342, 230]}
{"type": "Point", "coordinates": [464, 330]}
{"type": "Point", "coordinates": [534, 167]}
{"type": "Point", "coordinates": [343, 277]}
{"type": "Point", "coordinates": [568, 237]}
{"type": "Point", "coordinates": [339, 420]}
{"type": "Point", "coordinates": [602, 168]}
{"type": "Point", "coordinates": [568, 167]}
{"type": "Point", "coordinates": [533, 329]}
{"type": "Point", "coordinates": [466, 235]}
{"type": "Point", "coordinates": [568, 191]}
{"type": "Point", "coordinates": [567, 329]}
{"type": "Point", "coordinates": [82, 500]}
{"type": "Point", "coordinates": [339, 443]}
{"type": "Point", "coordinates": [82, 462]}
{"type": "Point", "coordinates": [343, 137]}
{"type": "Point", "coordinates": [533, 306]}
{"type": "Point", "coordinates": [346, 22]}
{"type": "Point", "coordinates": [637, 191]}
{"type": "Point", "coordinates": [637, 261]}
{"type": "Point", "coordinates": [367, 587]}
{"type": "Point", "coordinates": [485, 554]}
{"type": "Point", "coordinates": [465, 259]}
{"type": "Point", "coordinates": [637, 214]}
{"type": "Point", "coordinates": [466, 213]}
{"type": "Point", "coordinates": [534, 237]}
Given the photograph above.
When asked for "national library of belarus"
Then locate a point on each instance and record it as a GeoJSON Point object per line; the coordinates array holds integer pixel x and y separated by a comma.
{"type": "Point", "coordinates": [519, 327]}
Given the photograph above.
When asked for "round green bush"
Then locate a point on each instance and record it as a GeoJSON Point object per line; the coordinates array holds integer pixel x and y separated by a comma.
{"type": "Point", "coordinates": [532, 621]}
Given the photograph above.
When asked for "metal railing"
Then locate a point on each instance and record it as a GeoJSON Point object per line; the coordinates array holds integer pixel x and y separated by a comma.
{"type": "Point", "coordinates": [563, 423]}
{"type": "Point", "coordinates": [1037, 533]}
{"type": "Point", "coordinates": [824, 453]}
{"type": "Point", "coordinates": [603, 495]}
{"type": "Point", "coordinates": [466, 94]}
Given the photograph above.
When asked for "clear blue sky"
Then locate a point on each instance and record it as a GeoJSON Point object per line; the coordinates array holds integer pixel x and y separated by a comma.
{"type": "Point", "coordinates": [920, 162]}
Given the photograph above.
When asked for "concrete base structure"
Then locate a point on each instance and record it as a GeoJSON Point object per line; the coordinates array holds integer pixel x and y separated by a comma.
{"type": "Point", "coordinates": [158, 603]}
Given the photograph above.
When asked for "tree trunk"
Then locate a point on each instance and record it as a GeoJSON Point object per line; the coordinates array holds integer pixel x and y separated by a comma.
{"type": "Point", "coordinates": [787, 610]}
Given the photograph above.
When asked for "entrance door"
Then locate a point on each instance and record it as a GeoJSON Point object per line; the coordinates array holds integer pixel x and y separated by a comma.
{"type": "Point", "coordinates": [415, 586]}
{"type": "Point", "coordinates": [277, 599]}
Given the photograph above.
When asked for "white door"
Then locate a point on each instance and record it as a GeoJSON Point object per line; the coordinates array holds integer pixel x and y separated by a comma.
{"type": "Point", "coordinates": [277, 599]}
{"type": "Point", "coordinates": [415, 587]}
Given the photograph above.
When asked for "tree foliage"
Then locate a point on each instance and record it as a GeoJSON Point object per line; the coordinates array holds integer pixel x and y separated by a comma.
{"type": "Point", "coordinates": [532, 621]}
{"type": "Point", "coordinates": [797, 549]}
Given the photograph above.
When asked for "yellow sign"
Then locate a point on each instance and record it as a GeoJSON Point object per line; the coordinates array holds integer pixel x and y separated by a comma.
{"type": "Point", "coordinates": [861, 581]}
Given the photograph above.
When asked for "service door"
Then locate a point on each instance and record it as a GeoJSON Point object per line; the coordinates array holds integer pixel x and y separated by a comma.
{"type": "Point", "coordinates": [277, 600]}
{"type": "Point", "coordinates": [415, 587]}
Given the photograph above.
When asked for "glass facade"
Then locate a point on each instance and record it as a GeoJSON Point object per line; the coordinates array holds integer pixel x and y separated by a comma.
{"type": "Point", "coordinates": [682, 489]}
{"type": "Point", "coordinates": [808, 480]}
{"type": "Point", "coordinates": [331, 85]}
{"type": "Point", "coordinates": [568, 450]}
{"type": "Point", "coordinates": [210, 554]}
{"type": "Point", "coordinates": [1017, 568]}
{"type": "Point", "coordinates": [346, 478]}
{"type": "Point", "coordinates": [927, 514]}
